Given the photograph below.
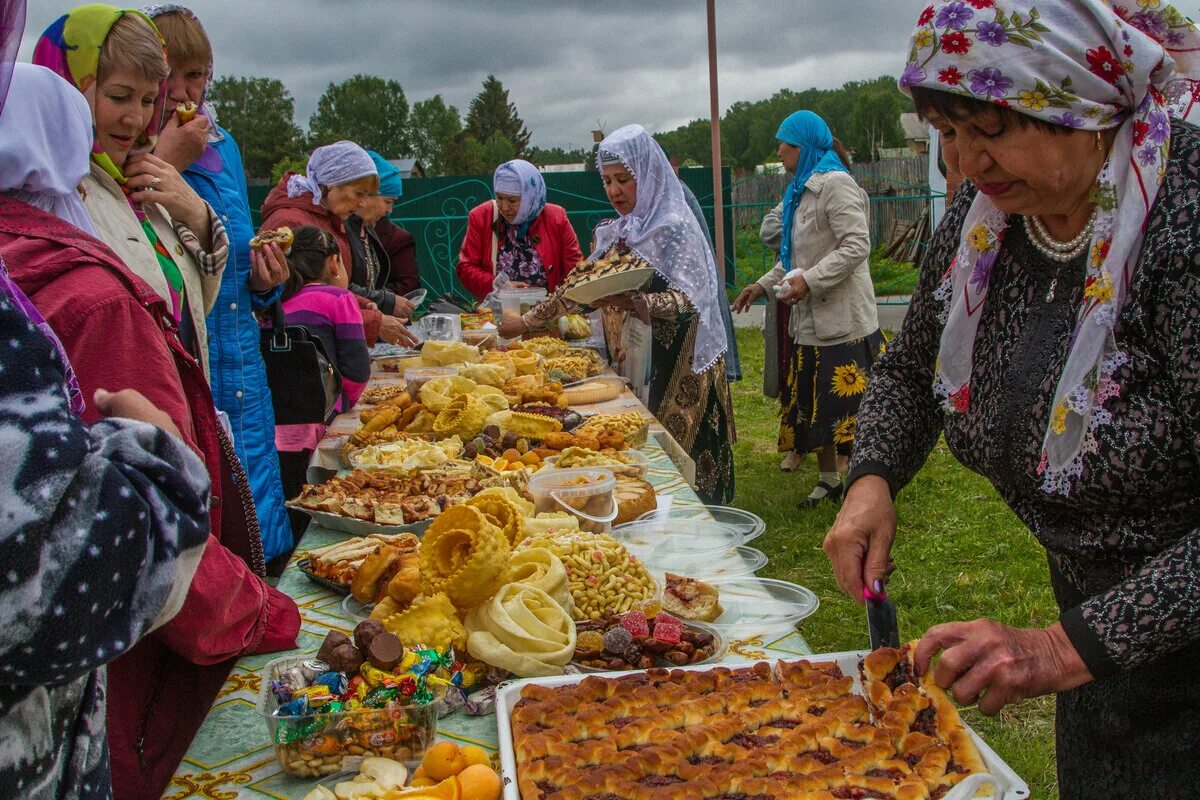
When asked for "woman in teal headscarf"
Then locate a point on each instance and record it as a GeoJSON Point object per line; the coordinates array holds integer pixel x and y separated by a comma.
{"type": "Point", "coordinates": [824, 274]}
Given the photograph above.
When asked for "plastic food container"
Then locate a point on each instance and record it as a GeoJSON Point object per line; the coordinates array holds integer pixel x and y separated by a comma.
{"type": "Point", "coordinates": [442, 327]}
{"type": "Point", "coordinates": [740, 562]}
{"type": "Point", "coordinates": [587, 493]}
{"type": "Point", "coordinates": [750, 525]}
{"type": "Point", "coordinates": [758, 604]}
{"type": "Point", "coordinates": [719, 648]}
{"type": "Point", "coordinates": [325, 744]}
{"type": "Point", "coordinates": [416, 377]}
{"type": "Point", "coordinates": [683, 546]}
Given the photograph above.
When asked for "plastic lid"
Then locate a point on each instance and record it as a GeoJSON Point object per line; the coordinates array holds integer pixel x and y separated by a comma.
{"type": "Point", "coordinates": [751, 526]}
{"type": "Point", "coordinates": [663, 544]}
{"type": "Point", "coordinates": [567, 483]}
{"type": "Point", "coordinates": [428, 373]}
{"type": "Point", "coordinates": [737, 563]}
{"type": "Point", "coordinates": [753, 604]}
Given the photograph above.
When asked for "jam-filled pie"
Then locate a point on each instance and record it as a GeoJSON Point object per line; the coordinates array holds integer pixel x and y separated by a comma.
{"type": "Point", "coordinates": [793, 732]}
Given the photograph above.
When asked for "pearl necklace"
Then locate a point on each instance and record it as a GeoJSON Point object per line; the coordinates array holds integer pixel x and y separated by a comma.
{"type": "Point", "coordinates": [1051, 248]}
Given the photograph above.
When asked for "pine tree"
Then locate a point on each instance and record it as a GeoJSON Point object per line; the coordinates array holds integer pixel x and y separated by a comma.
{"type": "Point", "coordinates": [492, 114]}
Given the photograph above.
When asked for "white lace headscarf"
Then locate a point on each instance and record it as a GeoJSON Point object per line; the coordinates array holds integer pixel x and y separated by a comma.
{"type": "Point", "coordinates": [663, 230]}
{"type": "Point", "coordinates": [1091, 65]}
{"type": "Point", "coordinates": [46, 144]}
{"type": "Point", "coordinates": [332, 165]}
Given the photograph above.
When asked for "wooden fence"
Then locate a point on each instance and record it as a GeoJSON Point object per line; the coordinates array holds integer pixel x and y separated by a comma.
{"type": "Point", "coordinates": [899, 190]}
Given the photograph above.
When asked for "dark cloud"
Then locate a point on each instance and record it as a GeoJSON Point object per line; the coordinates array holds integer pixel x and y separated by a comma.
{"type": "Point", "coordinates": [566, 63]}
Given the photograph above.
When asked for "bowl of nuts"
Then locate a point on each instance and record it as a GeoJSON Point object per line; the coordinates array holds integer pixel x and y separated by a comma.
{"type": "Point", "coordinates": [635, 640]}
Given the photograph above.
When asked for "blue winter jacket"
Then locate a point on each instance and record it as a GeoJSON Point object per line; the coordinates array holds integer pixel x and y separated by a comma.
{"type": "Point", "coordinates": [239, 380]}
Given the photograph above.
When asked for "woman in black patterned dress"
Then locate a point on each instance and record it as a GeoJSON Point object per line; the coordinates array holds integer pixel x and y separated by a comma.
{"type": "Point", "coordinates": [1054, 338]}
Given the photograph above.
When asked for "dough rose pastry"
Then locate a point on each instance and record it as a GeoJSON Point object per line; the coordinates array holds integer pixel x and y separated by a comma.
{"type": "Point", "coordinates": [437, 393]}
{"type": "Point", "coordinates": [486, 374]}
{"type": "Point", "coordinates": [501, 360]}
{"type": "Point", "coordinates": [541, 569]}
{"type": "Point", "coordinates": [464, 556]}
{"type": "Point", "coordinates": [523, 630]}
{"type": "Point", "coordinates": [464, 417]}
{"type": "Point", "coordinates": [503, 514]}
{"type": "Point", "coordinates": [525, 362]}
{"type": "Point", "coordinates": [490, 401]}
{"type": "Point", "coordinates": [444, 354]}
{"type": "Point", "coordinates": [511, 495]}
{"type": "Point", "coordinates": [432, 621]}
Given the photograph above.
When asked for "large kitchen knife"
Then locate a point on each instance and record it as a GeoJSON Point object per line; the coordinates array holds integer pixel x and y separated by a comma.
{"type": "Point", "coordinates": [881, 619]}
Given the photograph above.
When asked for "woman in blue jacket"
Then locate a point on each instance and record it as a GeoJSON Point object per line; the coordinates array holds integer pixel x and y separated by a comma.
{"type": "Point", "coordinates": [210, 162]}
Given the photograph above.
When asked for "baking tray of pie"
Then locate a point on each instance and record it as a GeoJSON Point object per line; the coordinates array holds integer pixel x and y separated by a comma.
{"type": "Point", "coordinates": [1010, 785]}
{"type": "Point", "coordinates": [305, 566]}
{"type": "Point", "coordinates": [359, 527]}
{"type": "Point", "coordinates": [629, 280]}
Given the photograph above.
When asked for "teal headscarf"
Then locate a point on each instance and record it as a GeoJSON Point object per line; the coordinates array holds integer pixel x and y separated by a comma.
{"type": "Point", "coordinates": [390, 183]}
{"type": "Point", "coordinates": [805, 130]}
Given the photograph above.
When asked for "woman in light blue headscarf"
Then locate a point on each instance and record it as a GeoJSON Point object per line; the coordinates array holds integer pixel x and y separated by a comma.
{"type": "Point", "coordinates": [518, 235]}
{"type": "Point", "coordinates": [824, 274]}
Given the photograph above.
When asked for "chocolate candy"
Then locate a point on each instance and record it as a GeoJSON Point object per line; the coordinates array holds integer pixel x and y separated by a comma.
{"type": "Point", "coordinates": [345, 658]}
{"type": "Point", "coordinates": [365, 632]}
{"type": "Point", "coordinates": [333, 640]}
{"type": "Point", "coordinates": [386, 650]}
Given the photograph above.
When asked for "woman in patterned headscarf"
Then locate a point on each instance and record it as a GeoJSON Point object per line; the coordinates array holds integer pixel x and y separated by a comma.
{"type": "Point", "coordinates": [141, 206]}
{"type": "Point", "coordinates": [1053, 340]}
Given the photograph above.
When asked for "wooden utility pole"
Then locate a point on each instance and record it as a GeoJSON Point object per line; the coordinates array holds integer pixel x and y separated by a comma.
{"type": "Point", "coordinates": [714, 112]}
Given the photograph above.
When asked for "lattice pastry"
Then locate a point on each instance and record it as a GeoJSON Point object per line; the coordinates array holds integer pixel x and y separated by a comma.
{"type": "Point", "coordinates": [796, 732]}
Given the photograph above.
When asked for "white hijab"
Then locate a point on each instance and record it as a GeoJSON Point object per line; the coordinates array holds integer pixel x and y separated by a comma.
{"type": "Point", "coordinates": [663, 230]}
{"type": "Point", "coordinates": [46, 144]}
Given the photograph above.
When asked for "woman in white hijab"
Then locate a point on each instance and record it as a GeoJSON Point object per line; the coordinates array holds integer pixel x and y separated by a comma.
{"type": "Point", "coordinates": [689, 391]}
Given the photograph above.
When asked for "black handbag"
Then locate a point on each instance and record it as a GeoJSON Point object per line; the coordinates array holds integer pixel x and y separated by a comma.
{"type": "Point", "coordinates": [305, 385]}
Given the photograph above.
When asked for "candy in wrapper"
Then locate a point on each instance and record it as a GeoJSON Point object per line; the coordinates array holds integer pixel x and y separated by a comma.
{"type": "Point", "coordinates": [316, 695]}
{"type": "Point", "coordinates": [293, 708]}
{"type": "Point", "coordinates": [482, 703]}
{"type": "Point", "coordinates": [333, 707]}
{"type": "Point", "coordinates": [379, 737]}
{"type": "Point", "coordinates": [451, 701]}
{"type": "Point", "coordinates": [282, 691]}
{"type": "Point", "coordinates": [295, 678]}
{"type": "Point", "coordinates": [320, 745]}
{"type": "Point", "coordinates": [423, 697]}
{"type": "Point", "coordinates": [380, 697]}
{"type": "Point", "coordinates": [428, 662]}
{"type": "Point", "coordinates": [408, 687]}
{"type": "Point", "coordinates": [311, 669]}
{"type": "Point", "coordinates": [335, 682]}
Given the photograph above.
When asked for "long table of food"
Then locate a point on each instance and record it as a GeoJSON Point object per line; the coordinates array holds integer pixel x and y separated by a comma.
{"type": "Point", "coordinates": [465, 539]}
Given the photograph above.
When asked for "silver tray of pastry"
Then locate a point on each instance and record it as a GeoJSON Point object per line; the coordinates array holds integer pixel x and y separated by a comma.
{"type": "Point", "coordinates": [359, 527]}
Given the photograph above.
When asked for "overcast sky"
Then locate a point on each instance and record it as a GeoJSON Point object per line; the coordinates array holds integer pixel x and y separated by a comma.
{"type": "Point", "coordinates": [567, 64]}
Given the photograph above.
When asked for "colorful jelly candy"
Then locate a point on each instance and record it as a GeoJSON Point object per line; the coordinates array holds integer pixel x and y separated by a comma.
{"type": "Point", "coordinates": [636, 623]}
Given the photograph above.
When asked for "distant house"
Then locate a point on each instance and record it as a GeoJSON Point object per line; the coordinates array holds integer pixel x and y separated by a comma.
{"type": "Point", "coordinates": [580, 167]}
{"type": "Point", "coordinates": [409, 167]}
{"type": "Point", "coordinates": [916, 133]}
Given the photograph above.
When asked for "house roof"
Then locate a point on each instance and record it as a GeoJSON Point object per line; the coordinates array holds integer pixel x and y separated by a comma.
{"type": "Point", "coordinates": [406, 166]}
{"type": "Point", "coordinates": [913, 127]}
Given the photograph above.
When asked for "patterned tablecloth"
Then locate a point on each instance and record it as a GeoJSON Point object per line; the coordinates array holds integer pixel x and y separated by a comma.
{"type": "Point", "coordinates": [231, 756]}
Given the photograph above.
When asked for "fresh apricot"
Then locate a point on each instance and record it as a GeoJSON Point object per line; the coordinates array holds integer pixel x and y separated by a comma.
{"type": "Point", "coordinates": [511, 454]}
{"type": "Point", "coordinates": [479, 782]}
{"type": "Point", "coordinates": [443, 760]}
{"type": "Point", "coordinates": [531, 459]}
{"type": "Point", "coordinates": [476, 755]}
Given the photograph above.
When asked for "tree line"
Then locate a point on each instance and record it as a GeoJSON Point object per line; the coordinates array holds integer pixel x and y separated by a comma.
{"type": "Point", "coordinates": [374, 111]}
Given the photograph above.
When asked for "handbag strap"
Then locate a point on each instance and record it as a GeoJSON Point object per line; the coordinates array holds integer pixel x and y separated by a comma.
{"type": "Point", "coordinates": [279, 336]}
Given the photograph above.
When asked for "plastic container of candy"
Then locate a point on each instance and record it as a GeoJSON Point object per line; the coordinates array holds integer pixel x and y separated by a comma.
{"type": "Point", "coordinates": [318, 744]}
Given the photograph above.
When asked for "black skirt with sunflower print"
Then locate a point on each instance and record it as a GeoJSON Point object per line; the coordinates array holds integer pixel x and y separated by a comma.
{"type": "Point", "coordinates": [819, 400]}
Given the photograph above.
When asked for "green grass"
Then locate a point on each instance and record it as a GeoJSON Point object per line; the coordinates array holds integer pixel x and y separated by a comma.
{"type": "Point", "coordinates": [960, 555]}
{"type": "Point", "coordinates": [753, 260]}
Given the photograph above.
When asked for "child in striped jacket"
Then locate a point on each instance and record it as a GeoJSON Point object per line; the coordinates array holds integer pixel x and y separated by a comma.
{"type": "Point", "coordinates": [316, 298]}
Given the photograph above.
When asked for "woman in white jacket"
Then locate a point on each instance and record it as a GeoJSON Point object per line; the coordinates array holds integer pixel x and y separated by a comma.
{"type": "Point", "coordinates": [824, 274]}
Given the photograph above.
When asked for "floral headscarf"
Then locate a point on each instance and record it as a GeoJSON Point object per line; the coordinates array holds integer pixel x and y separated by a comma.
{"type": "Point", "coordinates": [71, 47]}
{"type": "Point", "coordinates": [1090, 65]}
{"type": "Point", "coordinates": [210, 159]}
{"type": "Point", "coordinates": [662, 230]}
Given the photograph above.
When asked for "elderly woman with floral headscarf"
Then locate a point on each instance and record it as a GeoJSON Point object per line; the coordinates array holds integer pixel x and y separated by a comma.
{"type": "Point", "coordinates": [518, 235]}
{"type": "Point", "coordinates": [1053, 339]}
{"type": "Point", "coordinates": [210, 162]}
{"type": "Point", "coordinates": [339, 179]}
{"type": "Point", "coordinates": [140, 205]}
{"type": "Point", "coordinates": [689, 387]}
{"type": "Point", "coordinates": [824, 274]}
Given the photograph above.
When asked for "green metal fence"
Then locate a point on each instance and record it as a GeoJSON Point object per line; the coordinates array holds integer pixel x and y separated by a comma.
{"type": "Point", "coordinates": [434, 211]}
